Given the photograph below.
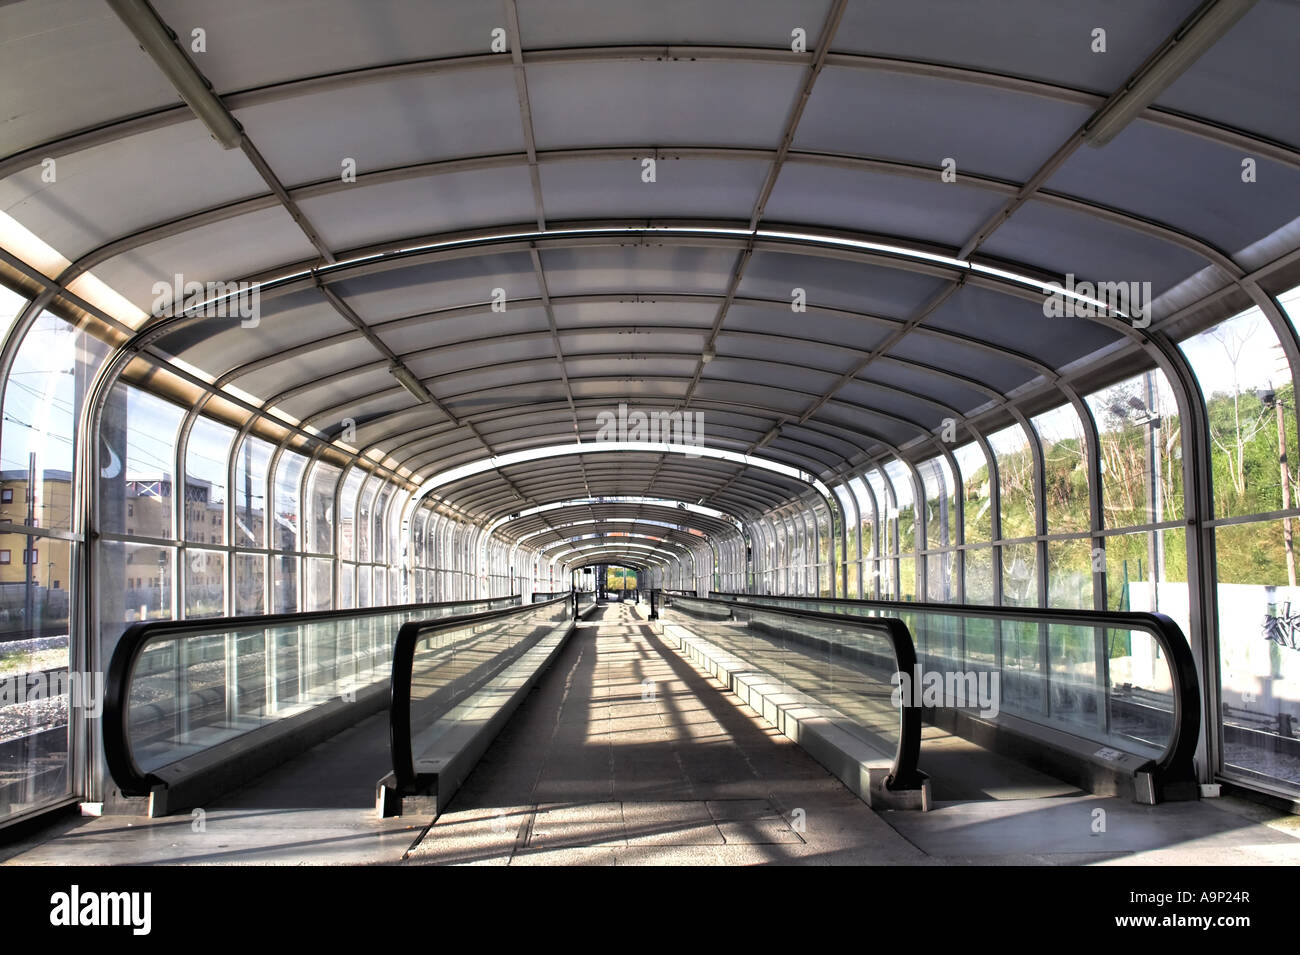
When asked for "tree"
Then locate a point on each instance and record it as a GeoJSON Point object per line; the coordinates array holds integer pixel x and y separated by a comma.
{"type": "Point", "coordinates": [1241, 417]}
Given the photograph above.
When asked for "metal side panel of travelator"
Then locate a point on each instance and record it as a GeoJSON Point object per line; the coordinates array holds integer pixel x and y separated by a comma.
{"type": "Point", "coordinates": [1106, 701]}
{"type": "Point", "coordinates": [196, 708]}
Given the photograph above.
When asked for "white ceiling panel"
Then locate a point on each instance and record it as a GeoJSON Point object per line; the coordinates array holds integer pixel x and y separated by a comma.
{"type": "Point", "coordinates": [440, 285]}
{"type": "Point", "coordinates": [633, 364]}
{"type": "Point", "coordinates": [221, 252]}
{"type": "Point", "coordinates": [683, 188]}
{"type": "Point", "coordinates": [632, 341]}
{"type": "Point", "coordinates": [634, 387]}
{"type": "Point", "coordinates": [638, 269]}
{"type": "Point", "coordinates": [915, 379]}
{"type": "Point", "coordinates": [393, 398]}
{"type": "Point", "coordinates": [1047, 41]}
{"type": "Point", "coordinates": [483, 354]}
{"type": "Point", "coordinates": [876, 290]}
{"type": "Point", "coordinates": [394, 123]}
{"type": "Point", "coordinates": [594, 314]}
{"type": "Point", "coordinates": [491, 375]}
{"type": "Point", "coordinates": [522, 395]}
{"type": "Point", "coordinates": [363, 215]}
{"type": "Point", "coordinates": [1248, 80]}
{"type": "Point", "coordinates": [1062, 241]}
{"type": "Point", "coordinates": [632, 103]}
{"type": "Point", "coordinates": [814, 326]}
{"type": "Point", "coordinates": [757, 396]}
{"type": "Point", "coordinates": [925, 120]}
{"type": "Point", "coordinates": [925, 210]}
{"type": "Point", "coordinates": [324, 363]}
{"type": "Point", "coordinates": [254, 43]}
{"type": "Point", "coordinates": [70, 65]}
{"type": "Point", "coordinates": [790, 348]}
{"type": "Point", "coordinates": [286, 322]}
{"type": "Point", "coordinates": [443, 330]}
{"type": "Point", "coordinates": [774, 372]}
{"type": "Point", "coordinates": [570, 23]}
{"type": "Point", "coordinates": [157, 176]}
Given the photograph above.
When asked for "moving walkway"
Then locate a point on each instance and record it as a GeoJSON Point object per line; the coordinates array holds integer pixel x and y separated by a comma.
{"type": "Point", "coordinates": [1104, 701]}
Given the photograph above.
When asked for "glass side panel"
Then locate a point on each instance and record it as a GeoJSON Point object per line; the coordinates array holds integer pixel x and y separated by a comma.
{"type": "Point", "coordinates": [449, 665]}
{"type": "Point", "coordinates": [141, 431]}
{"type": "Point", "coordinates": [900, 480]}
{"type": "Point", "coordinates": [1259, 653]}
{"type": "Point", "coordinates": [1065, 470]}
{"type": "Point", "coordinates": [1107, 684]}
{"type": "Point", "coordinates": [250, 584]}
{"type": "Point", "coordinates": [284, 583]}
{"type": "Point", "coordinates": [977, 493]}
{"type": "Point", "coordinates": [205, 583]}
{"type": "Point", "coordinates": [319, 509]}
{"type": "Point", "coordinates": [51, 370]}
{"type": "Point", "coordinates": [1141, 451]}
{"type": "Point", "coordinates": [249, 518]}
{"type": "Point", "coordinates": [39, 693]}
{"type": "Point", "coordinates": [191, 692]}
{"type": "Point", "coordinates": [940, 507]}
{"type": "Point", "coordinates": [362, 525]}
{"type": "Point", "coordinates": [206, 457]}
{"type": "Point", "coordinates": [1015, 461]}
{"type": "Point", "coordinates": [347, 513]}
{"type": "Point", "coordinates": [288, 502]}
{"type": "Point", "coordinates": [843, 672]}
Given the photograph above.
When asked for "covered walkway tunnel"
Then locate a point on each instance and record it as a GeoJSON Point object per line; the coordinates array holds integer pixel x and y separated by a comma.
{"type": "Point", "coordinates": [373, 305]}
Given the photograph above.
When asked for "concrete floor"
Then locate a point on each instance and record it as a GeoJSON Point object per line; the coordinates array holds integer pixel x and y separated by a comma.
{"type": "Point", "coordinates": [627, 754]}
{"type": "Point", "coordinates": [315, 810]}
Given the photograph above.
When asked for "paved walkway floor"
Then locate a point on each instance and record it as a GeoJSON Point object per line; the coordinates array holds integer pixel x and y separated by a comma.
{"type": "Point", "coordinates": [317, 809]}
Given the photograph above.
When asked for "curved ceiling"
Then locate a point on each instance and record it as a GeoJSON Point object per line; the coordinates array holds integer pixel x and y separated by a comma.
{"type": "Point", "coordinates": [536, 527]}
{"type": "Point", "coordinates": [503, 239]}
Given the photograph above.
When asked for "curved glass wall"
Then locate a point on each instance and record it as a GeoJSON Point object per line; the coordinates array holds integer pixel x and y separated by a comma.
{"type": "Point", "coordinates": [43, 394]}
{"type": "Point", "coordinates": [1017, 515]}
{"type": "Point", "coordinates": [247, 532]}
{"type": "Point", "coordinates": [1140, 446]}
{"type": "Point", "coordinates": [1249, 394]}
{"type": "Point", "coordinates": [1045, 523]}
{"type": "Point", "coordinates": [904, 535]}
{"type": "Point", "coordinates": [886, 569]}
{"type": "Point", "coordinates": [942, 583]}
{"type": "Point", "coordinates": [259, 526]}
{"type": "Point", "coordinates": [1067, 507]}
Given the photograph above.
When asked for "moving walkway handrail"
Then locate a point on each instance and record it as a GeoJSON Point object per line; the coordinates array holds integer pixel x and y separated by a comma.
{"type": "Point", "coordinates": [1177, 761]}
{"type": "Point", "coordinates": [399, 708]}
{"type": "Point", "coordinates": [905, 773]}
{"type": "Point", "coordinates": [118, 754]}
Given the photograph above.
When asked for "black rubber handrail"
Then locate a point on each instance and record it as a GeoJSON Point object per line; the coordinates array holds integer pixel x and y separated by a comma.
{"type": "Point", "coordinates": [130, 779]}
{"type": "Point", "coordinates": [904, 774]}
{"type": "Point", "coordinates": [399, 704]}
{"type": "Point", "coordinates": [1176, 764]}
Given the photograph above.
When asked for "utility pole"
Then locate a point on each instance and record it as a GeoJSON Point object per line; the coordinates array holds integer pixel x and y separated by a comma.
{"type": "Point", "coordinates": [1270, 397]}
{"type": "Point", "coordinates": [29, 555]}
{"type": "Point", "coordinates": [1286, 492]}
{"type": "Point", "coordinates": [1155, 540]}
